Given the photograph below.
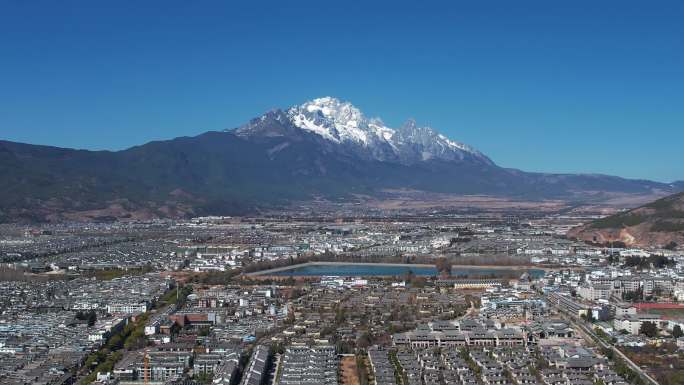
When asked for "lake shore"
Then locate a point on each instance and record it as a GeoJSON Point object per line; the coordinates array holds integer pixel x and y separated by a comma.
{"type": "Point", "coordinates": [402, 265]}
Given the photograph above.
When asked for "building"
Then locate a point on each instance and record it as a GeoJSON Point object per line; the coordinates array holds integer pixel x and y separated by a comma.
{"type": "Point", "coordinates": [127, 308]}
{"type": "Point", "coordinates": [632, 323]}
{"type": "Point", "coordinates": [594, 292]}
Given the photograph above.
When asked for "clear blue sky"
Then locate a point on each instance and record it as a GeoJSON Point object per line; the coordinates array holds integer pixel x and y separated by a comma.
{"type": "Point", "coordinates": [558, 86]}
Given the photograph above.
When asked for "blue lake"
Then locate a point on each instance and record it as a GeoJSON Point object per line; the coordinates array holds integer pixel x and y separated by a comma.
{"type": "Point", "coordinates": [383, 270]}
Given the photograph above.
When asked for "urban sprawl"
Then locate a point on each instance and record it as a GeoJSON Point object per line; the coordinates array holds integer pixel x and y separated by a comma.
{"type": "Point", "coordinates": [285, 300]}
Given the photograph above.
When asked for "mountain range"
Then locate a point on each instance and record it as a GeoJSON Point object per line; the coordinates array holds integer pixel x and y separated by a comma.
{"type": "Point", "coordinates": [324, 148]}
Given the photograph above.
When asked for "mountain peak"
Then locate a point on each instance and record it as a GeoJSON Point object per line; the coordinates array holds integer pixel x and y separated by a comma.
{"type": "Point", "coordinates": [410, 124]}
{"type": "Point", "coordinates": [329, 102]}
{"type": "Point", "coordinates": [343, 124]}
{"type": "Point", "coordinates": [333, 108]}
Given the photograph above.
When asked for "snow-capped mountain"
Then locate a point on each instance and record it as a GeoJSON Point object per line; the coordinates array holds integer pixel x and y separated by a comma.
{"type": "Point", "coordinates": [324, 148]}
{"type": "Point", "coordinates": [348, 129]}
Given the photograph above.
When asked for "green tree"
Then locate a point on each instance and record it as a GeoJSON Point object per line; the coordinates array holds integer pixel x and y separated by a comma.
{"type": "Point", "coordinates": [418, 281]}
{"type": "Point", "coordinates": [365, 340]}
{"type": "Point", "coordinates": [340, 315]}
{"type": "Point", "coordinates": [633, 296]}
{"type": "Point", "coordinates": [443, 266]}
{"type": "Point", "coordinates": [92, 317]}
{"type": "Point", "coordinates": [648, 329]}
{"type": "Point", "coordinates": [362, 370]}
{"type": "Point", "coordinates": [409, 276]}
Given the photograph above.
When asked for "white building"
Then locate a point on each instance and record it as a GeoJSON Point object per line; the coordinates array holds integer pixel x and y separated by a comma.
{"type": "Point", "coordinates": [632, 323]}
{"type": "Point", "coordinates": [127, 308]}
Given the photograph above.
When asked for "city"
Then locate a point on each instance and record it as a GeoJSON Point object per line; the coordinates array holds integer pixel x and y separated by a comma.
{"type": "Point", "coordinates": [435, 299]}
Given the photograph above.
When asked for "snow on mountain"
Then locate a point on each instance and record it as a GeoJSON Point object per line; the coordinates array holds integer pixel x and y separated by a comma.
{"type": "Point", "coordinates": [338, 121]}
{"type": "Point", "coordinates": [343, 124]}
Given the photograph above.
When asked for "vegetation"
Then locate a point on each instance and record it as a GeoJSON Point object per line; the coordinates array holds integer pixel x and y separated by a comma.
{"type": "Point", "coordinates": [132, 336]}
{"type": "Point", "coordinates": [418, 281]}
{"type": "Point", "coordinates": [442, 263]}
{"type": "Point", "coordinates": [362, 369]}
{"type": "Point", "coordinates": [655, 261]}
{"type": "Point", "coordinates": [443, 266]}
{"type": "Point", "coordinates": [473, 301]}
{"type": "Point", "coordinates": [109, 274]}
{"type": "Point", "coordinates": [665, 362]}
{"type": "Point", "coordinates": [136, 334]}
{"type": "Point", "coordinates": [364, 340]}
{"type": "Point", "coordinates": [667, 226]}
{"type": "Point", "coordinates": [602, 335]}
{"type": "Point", "coordinates": [203, 378]}
{"type": "Point", "coordinates": [633, 296]}
{"type": "Point", "coordinates": [46, 180]}
{"type": "Point", "coordinates": [105, 363]}
{"type": "Point", "coordinates": [399, 373]}
{"type": "Point", "coordinates": [465, 354]}
{"type": "Point", "coordinates": [589, 317]}
{"type": "Point", "coordinates": [649, 329]}
{"type": "Point", "coordinates": [677, 313]}
{"type": "Point", "coordinates": [618, 221]}
{"type": "Point", "coordinates": [22, 275]}
{"type": "Point", "coordinates": [89, 316]}
{"type": "Point", "coordinates": [622, 369]}
{"type": "Point", "coordinates": [663, 215]}
{"type": "Point", "coordinates": [216, 277]}
{"type": "Point", "coordinates": [666, 204]}
{"type": "Point", "coordinates": [177, 297]}
{"type": "Point", "coordinates": [613, 259]}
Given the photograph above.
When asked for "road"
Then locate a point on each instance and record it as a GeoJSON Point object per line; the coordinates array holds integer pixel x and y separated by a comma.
{"type": "Point", "coordinates": [416, 265]}
{"type": "Point", "coordinates": [582, 326]}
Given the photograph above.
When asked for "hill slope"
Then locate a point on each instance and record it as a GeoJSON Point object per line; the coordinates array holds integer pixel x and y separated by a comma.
{"type": "Point", "coordinates": [655, 224]}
